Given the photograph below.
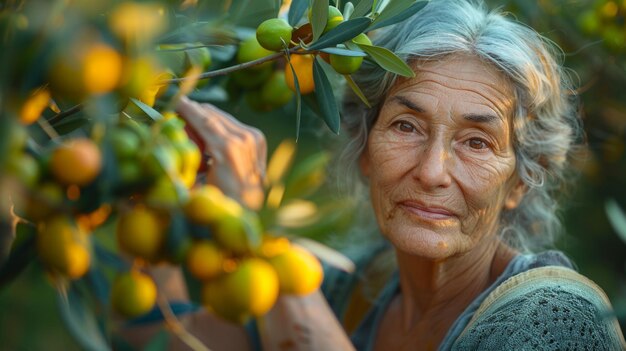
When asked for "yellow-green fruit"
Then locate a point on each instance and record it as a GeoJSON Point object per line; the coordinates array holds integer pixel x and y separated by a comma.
{"type": "Point", "coordinates": [334, 18]}
{"type": "Point", "coordinates": [250, 50]}
{"type": "Point", "coordinates": [63, 247]}
{"type": "Point", "coordinates": [168, 193]}
{"type": "Point", "coordinates": [125, 142]}
{"type": "Point", "coordinates": [207, 203]}
{"type": "Point", "coordinates": [47, 198]}
{"type": "Point", "coordinates": [362, 39]}
{"type": "Point", "coordinates": [299, 272]}
{"type": "Point", "coordinates": [24, 168]}
{"type": "Point", "coordinates": [133, 294]}
{"type": "Point", "coordinates": [239, 232]}
{"type": "Point", "coordinates": [349, 64]}
{"type": "Point", "coordinates": [174, 130]}
{"type": "Point", "coordinates": [141, 233]}
{"type": "Point", "coordinates": [204, 260]}
{"type": "Point", "coordinates": [252, 289]}
{"type": "Point", "coordinates": [345, 64]}
{"type": "Point", "coordinates": [129, 170]}
{"type": "Point", "coordinates": [274, 34]}
{"type": "Point", "coordinates": [162, 159]}
{"type": "Point", "coordinates": [275, 91]}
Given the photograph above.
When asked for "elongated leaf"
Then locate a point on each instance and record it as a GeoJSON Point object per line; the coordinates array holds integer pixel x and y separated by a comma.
{"type": "Point", "coordinates": [362, 8]}
{"type": "Point", "coordinates": [326, 254]}
{"type": "Point", "coordinates": [357, 91]}
{"type": "Point", "coordinates": [80, 321]}
{"type": "Point", "coordinates": [343, 32]}
{"type": "Point", "coordinates": [348, 9]}
{"type": "Point", "coordinates": [296, 11]}
{"type": "Point", "coordinates": [388, 60]}
{"type": "Point", "coordinates": [325, 96]}
{"type": "Point", "coordinates": [616, 217]}
{"type": "Point", "coordinates": [386, 19]}
{"type": "Point", "coordinates": [149, 111]}
{"type": "Point", "coordinates": [298, 99]}
{"type": "Point", "coordinates": [319, 17]}
{"type": "Point", "coordinates": [344, 52]}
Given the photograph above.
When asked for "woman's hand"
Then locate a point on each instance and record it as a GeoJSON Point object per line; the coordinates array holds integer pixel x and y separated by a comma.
{"type": "Point", "coordinates": [237, 151]}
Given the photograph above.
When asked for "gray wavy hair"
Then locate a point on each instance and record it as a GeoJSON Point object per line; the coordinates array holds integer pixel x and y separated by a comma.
{"type": "Point", "coordinates": [546, 124]}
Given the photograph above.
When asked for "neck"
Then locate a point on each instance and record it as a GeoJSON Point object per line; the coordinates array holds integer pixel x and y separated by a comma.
{"type": "Point", "coordinates": [437, 291]}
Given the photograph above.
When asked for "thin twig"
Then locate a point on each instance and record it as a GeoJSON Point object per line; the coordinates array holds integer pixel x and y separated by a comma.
{"type": "Point", "coordinates": [227, 70]}
{"type": "Point", "coordinates": [52, 133]}
{"type": "Point", "coordinates": [177, 328]}
{"type": "Point", "coordinates": [72, 110]}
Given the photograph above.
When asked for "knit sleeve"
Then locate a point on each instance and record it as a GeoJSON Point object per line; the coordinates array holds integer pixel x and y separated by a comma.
{"type": "Point", "coordinates": [547, 318]}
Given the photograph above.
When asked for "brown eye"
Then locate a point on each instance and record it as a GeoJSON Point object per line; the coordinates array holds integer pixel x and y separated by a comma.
{"type": "Point", "coordinates": [405, 127]}
{"type": "Point", "coordinates": [477, 144]}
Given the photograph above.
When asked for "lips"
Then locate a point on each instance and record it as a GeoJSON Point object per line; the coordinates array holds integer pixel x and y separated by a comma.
{"type": "Point", "coordinates": [427, 211]}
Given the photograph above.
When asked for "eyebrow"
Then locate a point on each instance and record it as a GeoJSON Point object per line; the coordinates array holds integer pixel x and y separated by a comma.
{"type": "Point", "coordinates": [473, 117]}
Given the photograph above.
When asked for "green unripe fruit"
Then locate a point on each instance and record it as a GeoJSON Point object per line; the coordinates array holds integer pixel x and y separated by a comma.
{"type": "Point", "coordinates": [345, 64]}
{"type": "Point", "coordinates": [273, 34]}
{"type": "Point", "coordinates": [334, 18]}
{"type": "Point", "coordinates": [250, 50]}
{"type": "Point", "coordinates": [275, 91]}
{"type": "Point", "coordinates": [362, 39]}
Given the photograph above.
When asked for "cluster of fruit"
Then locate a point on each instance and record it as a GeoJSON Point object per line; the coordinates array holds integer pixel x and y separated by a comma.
{"type": "Point", "coordinates": [606, 20]}
{"type": "Point", "coordinates": [242, 269]}
{"type": "Point", "coordinates": [270, 84]}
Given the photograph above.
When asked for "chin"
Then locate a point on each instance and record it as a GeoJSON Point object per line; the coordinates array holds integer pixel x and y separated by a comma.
{"type": "Point", "coordinates": [424, 243]}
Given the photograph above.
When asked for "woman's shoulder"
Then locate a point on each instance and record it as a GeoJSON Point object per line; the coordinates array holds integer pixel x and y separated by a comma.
{"type": "Point", "coordinates": [550, 306]}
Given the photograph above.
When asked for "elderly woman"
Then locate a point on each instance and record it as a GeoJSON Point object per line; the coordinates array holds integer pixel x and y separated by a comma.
{"type": "Point", "coordinates": [462, 163]}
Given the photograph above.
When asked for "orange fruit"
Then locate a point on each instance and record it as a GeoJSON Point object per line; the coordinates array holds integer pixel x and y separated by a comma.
{"type": "Point", "coordinates": [77, 162]}
{"type": "Point", "coordinates": [34, 106]}
{"type": "Point", "coordinates": [303, 65]}
{"type": "Point", "coordinates": [63, 247]}
{"type": "Point", "coordinates": [204, 260]}
{"type": "Point", "coordinates": [133, 294]}
{"type": "Point", "coordinates": [250, 290]}
{"type": "Point", "coordinates": [274, 34]}
{"type": "Point", "coordinates": [299, 272]}
{"type": "Point", "coordinates": [141, 233]}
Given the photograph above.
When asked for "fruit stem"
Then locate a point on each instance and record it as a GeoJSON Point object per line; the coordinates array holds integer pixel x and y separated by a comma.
{"type": "Point", "coordinates": [230, 69]}
{"type": "Point", "coordinates": [176, 326]}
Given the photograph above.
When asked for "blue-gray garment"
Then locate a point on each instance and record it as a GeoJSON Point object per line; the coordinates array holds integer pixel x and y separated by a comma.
{"type": "Point", "coordinates": [549, 318]}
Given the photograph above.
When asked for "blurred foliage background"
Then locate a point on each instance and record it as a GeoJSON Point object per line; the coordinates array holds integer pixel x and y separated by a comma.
{"type": "Point", "coordinates": [592, 35]}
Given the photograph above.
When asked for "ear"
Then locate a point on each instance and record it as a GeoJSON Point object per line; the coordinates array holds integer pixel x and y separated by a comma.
{"type": "Point", "coordinates": [515, 195]}
{"type": "Point", "coordinates": [364, 162]}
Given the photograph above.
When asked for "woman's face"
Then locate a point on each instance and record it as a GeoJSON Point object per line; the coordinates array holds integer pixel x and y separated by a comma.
{"type": "Point", "coordinates": [440, 158]}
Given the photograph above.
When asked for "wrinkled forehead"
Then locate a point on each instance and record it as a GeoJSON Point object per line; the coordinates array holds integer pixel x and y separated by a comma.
{"type": "Point", "coordinates": [462, 72]}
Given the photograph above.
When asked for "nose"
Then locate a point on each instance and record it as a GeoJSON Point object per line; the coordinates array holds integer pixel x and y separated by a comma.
{"type": "Point", "coordinates": [432, 169]}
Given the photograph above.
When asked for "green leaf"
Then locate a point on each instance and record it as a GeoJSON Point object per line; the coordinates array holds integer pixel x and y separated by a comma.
{"type": "Point", "coordinates": [617, 218]}
{"type": "Point", "coordinates": [388, 60]}
{"type": "Point", "coordinates": [296, 11]}
{"type": "Point", "coordinates": [344, 52]}
{"type": "Point", "coordinates": [363, 8]}
{"type": "Point", "coordinates": [80, 321]}
{"type": "Point", "coordinates": [396, 14]}
{"type": "Point", "coordinates": [348, 9]}
{"type": "Point", "coordinates": [298, 98]}
{"type": "Point", "coordinates": [343, 32]}
{"type": "Point", "coordinates": [325, 97]}
{"type": "Point", "coordinates": [357, 91]}
{"type": "Point", "coordinates": [319, 17]}
{"type": "Point", "coordinates": [149, 111]}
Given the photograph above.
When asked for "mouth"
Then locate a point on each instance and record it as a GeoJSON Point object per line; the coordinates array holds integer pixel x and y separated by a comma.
{"type": "Point", "coordinates": [425, 211]}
